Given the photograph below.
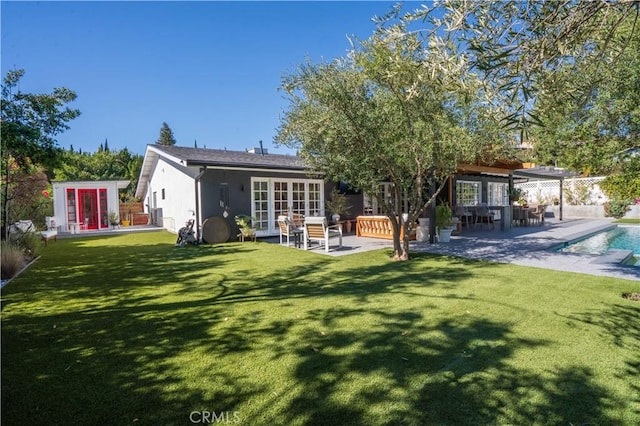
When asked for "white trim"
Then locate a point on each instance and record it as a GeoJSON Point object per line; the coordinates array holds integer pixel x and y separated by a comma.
{"type": "Point", "coordinates": [248, 169]}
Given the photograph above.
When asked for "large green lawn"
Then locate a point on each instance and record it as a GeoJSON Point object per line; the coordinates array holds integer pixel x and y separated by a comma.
{"type": "Point", "coordinates": [129, 329]}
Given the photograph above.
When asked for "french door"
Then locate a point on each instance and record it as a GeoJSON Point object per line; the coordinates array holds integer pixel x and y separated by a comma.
{"type": "Point", "coordinates": [88, 208]}
{"type": "Point", "coordinates": [271, 198]}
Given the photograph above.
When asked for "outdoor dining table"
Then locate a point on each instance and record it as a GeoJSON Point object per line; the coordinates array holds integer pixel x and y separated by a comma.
{"type": "Point", "coordinates": [297, 236]}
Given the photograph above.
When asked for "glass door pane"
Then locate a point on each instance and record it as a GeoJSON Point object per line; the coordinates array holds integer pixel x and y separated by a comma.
{"type": "Point", "coordinates": [280, 199]}
{"type": "Point", "coordinates": [88, 208]}
{"type": "Point", "coordinates": [298, 198]}
{"type": "Point", "coordinates": [104, 211]}
{"type": "Point", "coordinates": [260, 205]}
{"type": "Point", "coordinates": [71, 206]}
{"type": "Point", "coordinates": [316, 206]}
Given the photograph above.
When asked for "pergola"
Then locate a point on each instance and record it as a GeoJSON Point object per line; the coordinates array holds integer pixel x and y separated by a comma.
{"type": "Point", "coordinates": [543, 173]}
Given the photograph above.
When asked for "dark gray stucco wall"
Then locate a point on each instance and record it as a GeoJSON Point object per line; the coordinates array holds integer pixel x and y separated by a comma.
{"type": "Point", "coordinates": [238, 183]}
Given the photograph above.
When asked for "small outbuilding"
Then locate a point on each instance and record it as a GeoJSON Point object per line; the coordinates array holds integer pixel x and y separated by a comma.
{"type": "Point", "coordinates": [85, 205]}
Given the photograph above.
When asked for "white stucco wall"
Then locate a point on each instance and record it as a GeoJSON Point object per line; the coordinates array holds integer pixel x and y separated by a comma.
{"type": "Point", "coordinates": [179, 201]}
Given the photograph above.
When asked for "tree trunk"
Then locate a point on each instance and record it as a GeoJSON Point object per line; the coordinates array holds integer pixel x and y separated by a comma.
{"type": "Point", "coordinates": [5, 203]}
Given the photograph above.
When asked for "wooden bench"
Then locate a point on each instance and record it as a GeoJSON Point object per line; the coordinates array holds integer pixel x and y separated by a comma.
{"type": "Point", "coordinates": [378, 227]}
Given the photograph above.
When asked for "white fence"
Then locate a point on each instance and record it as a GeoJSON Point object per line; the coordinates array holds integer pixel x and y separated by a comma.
{"type": "Point", "coordinates": [576, 192]}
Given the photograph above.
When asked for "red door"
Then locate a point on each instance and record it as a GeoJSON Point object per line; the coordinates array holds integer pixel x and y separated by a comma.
{"type": "Point", "coordinates": [88, 208]}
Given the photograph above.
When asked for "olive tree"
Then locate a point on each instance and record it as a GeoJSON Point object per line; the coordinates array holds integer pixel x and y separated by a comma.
{"type": "Point", "coordinates": [397, 109]}
{"type": "Point", "coordinates": [565, 71]}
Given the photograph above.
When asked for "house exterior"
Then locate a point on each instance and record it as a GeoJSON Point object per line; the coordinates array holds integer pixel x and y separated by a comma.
{"type": "Point", "coordinates": [85, 205]}
{"type": "Point", "coordinates": [180, 183]}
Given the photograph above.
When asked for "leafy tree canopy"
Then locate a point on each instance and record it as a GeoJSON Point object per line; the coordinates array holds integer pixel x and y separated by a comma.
{"type": "Point", "coordinates": [397, 109]}
{"type": "Point", "coordinates": [101, 165]}
{"type": "Point", "coordinates": [29, 125]}
{"type": "Point", "coordinates": [513, 44]}
{"type": "Point", "coordinates": [30, 122]}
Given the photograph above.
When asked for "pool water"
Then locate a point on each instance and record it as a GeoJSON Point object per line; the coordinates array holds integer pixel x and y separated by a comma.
{"type": "Point", "coordinates": [621, 237]}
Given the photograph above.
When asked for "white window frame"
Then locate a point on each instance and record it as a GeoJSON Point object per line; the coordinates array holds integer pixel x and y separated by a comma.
{"type": "Point", "coordinates": [476, 197]}
{"type": "Point", "coordinates": [498, 193]}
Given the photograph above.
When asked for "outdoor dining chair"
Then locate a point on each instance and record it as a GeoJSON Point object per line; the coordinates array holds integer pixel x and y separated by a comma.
{"type": "Point", "coordinates": [484, 215]}
{"type": "Point", "coordinates": [288, 230]}
{"type": "Point", "coordinates": [317, 229]}
{"type": "Point", "coordinates": [537, 214]}
{"type": "Point", "coordinates": [464, 215]}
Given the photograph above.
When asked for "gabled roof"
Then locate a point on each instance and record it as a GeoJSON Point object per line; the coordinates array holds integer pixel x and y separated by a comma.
{"type": "Point", "coordinates": [215, 158]}
{"type": "Point", "coordinates": [219, 157]}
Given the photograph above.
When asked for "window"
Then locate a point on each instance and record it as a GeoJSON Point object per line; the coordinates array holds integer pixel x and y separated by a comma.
{"type": "Point", "coordinates": [498, 193]}
{"type": "Point", "coordinates": [260, 209]}
{"type": "Point", "coordinates": [163, 193]}
{"type": "Point", "coordinates": [71, 206]}
{"type": "Point", "coordinates": [371, 206]}
{"type": "Point", "coordinates": [224, 195]}
{"type": "Point", "coordinates": [468, 193]}
{"type": "Point", "coordinates": [104, 211]}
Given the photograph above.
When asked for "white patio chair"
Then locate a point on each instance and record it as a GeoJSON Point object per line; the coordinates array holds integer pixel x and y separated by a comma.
{"type": "Point", "coordinates": [287, 229]}
{"type": "Point", "coordinates": [317, 229]}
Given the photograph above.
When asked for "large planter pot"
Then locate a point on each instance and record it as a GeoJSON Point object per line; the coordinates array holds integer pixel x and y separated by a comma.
{"type": "Point", "coordinates": [125, 222]}
{"type": "Point", "coordinates": [422, 233]}
{"type": "Point", "coordinates": [444, 236]}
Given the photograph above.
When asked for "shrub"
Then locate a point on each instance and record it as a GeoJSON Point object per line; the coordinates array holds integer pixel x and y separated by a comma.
{"type": "Point", "coordinates": [626, 183]}
{"type": "Point", "coordinates": [29, 242]}
{"type": "Point", "coordinates": [12, 260]}
{"type": "Point", "coordinates": [616, 208]}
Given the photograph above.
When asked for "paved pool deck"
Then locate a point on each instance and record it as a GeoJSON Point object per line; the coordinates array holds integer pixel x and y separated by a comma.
{"type": "Point", "coordinates": [533, 246]}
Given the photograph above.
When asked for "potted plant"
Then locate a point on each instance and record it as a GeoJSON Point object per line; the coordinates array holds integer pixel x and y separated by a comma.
{"type": "Point", "coordinates": [337, 205]}
{"type": "Point", "coordinates": [129, 202]}
{"type": "Point", "coordinates": [113, 218]}
{"type": "Point", "coordinates": [444, 222]}
{"type": "Point", "coordinates": [515, 194]}
{"type": "Point", "coordinates": [244, 226]}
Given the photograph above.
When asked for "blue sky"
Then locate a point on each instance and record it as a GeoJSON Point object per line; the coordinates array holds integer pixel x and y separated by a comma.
{"type": "Point", "coordinates": [211, 70]}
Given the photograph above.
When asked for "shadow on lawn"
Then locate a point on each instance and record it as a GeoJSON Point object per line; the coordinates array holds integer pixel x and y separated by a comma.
{"type": "Point", "coordinates": [148, 334]}
{"type": "Point", "coordinates": [457, 377]}
{"type": "Point", "coordinates": [620, 324]}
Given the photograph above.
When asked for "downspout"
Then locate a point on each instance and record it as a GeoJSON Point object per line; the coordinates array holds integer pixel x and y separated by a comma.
{"type": "Point", "coordinates": [199, 203]}
{"type": "Point", "coordinates": [561, 197]}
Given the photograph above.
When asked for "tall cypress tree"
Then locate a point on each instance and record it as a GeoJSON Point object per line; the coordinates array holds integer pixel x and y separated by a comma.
{"type": "Point", "coordinates": [166, 136]}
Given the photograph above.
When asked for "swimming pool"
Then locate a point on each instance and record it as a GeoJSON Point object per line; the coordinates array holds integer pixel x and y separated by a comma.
{"type": "Point", "coordinates": [620, 237]}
